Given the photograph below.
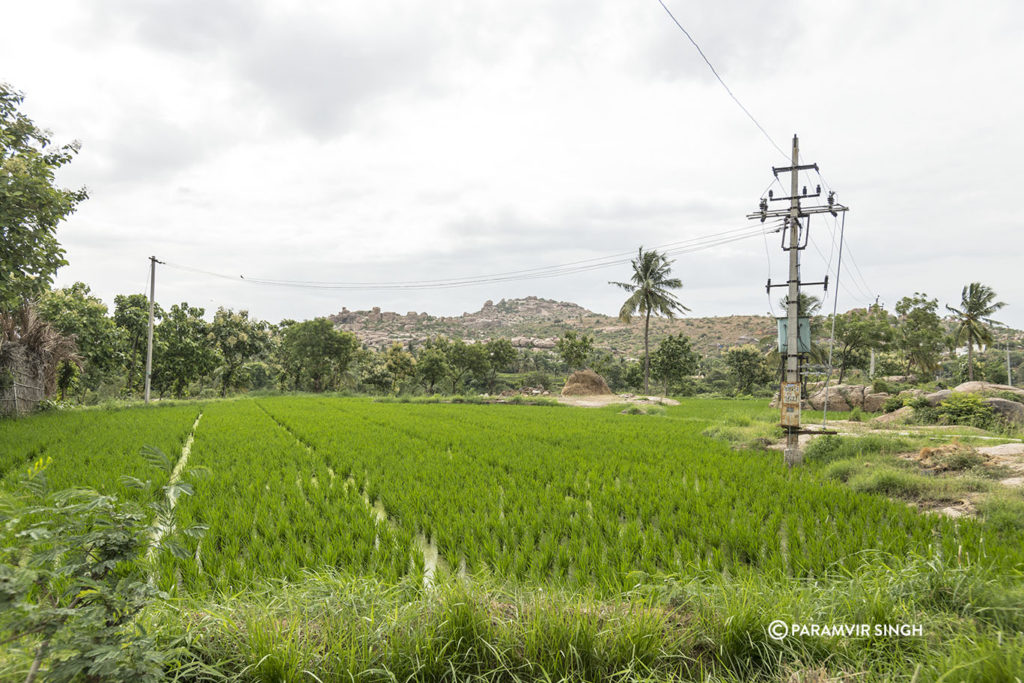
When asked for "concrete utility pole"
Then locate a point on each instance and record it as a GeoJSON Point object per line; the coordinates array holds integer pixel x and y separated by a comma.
{"type": "Point", "coordinates": [149, 344]}
{"type": "Point", "coordinates": [798, 231]}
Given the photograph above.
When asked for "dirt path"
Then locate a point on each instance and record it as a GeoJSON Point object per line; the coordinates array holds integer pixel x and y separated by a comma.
{"type": "Point", "coordinates": [161, 526]}
{"type": "Point", "coordinates": [601, 400]}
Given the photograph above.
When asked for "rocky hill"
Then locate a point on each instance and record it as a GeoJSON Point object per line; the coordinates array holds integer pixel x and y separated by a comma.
{"type": "Point", "coordinates": [537, 323]}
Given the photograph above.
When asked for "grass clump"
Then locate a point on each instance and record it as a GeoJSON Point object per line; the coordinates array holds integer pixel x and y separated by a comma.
{"type": "Point", "coordinates": [746, 431]}
{"type": "Point", "coordinates": [831, 447]}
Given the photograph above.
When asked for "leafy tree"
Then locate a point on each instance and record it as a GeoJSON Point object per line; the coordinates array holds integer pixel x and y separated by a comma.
{"type": "Point", "coordinates": [748, 367]}
{"type": "Point", "coordinates": [919, 333]}
{"type": "Point", "coordinates": [856, 332]}
{"type": "Point", "coordinates": [131, 316]}
{"type": "Point", "coordinates": [977, 304]}
{"type": "Point", "coordinates": [500, 356]}
{"type": "Point", "coordinates": [674, 360]}
{"type": "Point", "coordinates": [239, 339]}
{"type": "Point", "coordinates": [185, 353]}
{"type": "Point", "coordinates": [400, 363]}
{"type": "Point", "coordinates": [314, 350]}
{"type": "Point", "coordinates": [575, 349]}
{"type": "Point", "coordinates": [432, 367]}
{"type": "Point", "coordinates": [375, 373]}
{"type": "Point", "coordinates": [649, 289]}
{"type": "Point", "coordinates": [77, 314]}
{"type": "Point", "coordinates": [467, 360]}
{"type": "Point", "coordinates": [31, 205]}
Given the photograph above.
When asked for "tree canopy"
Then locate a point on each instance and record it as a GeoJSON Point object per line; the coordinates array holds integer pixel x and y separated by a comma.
{"type": "Point", "coordinates": [650, 293]}
{"type": "Point", "coordinates": [31, 205]}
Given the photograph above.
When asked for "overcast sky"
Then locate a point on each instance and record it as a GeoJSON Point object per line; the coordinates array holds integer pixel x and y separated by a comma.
{"type": "Point", "coordinates": [391, 141]}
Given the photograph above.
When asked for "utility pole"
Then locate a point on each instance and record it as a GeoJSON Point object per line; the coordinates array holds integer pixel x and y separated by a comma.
{"type": "Point", "coordinates": [149, 344]}
{"type": "Point", "coordinates": [797, 225]}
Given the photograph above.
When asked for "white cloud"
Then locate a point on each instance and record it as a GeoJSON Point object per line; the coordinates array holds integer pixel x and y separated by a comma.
{"type": "Point", "coordinates": [406, 139]}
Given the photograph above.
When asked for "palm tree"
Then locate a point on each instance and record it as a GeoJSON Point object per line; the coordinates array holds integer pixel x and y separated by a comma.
{"type": "Point", "coordinates": [649, 293]}
{"type": "Point", "coordinates": [977, 304]}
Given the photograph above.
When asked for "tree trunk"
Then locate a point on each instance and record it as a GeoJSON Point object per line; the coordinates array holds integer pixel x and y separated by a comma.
{"type": "Point", "coordinates": [647, 353]}
{"type": "Point", "coordinates": [970, 360]}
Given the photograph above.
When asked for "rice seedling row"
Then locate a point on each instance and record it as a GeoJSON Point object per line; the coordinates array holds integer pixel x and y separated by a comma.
{"type": "Point", "coordinates": [583, 497]}
{"type": "Point", "coordinates": [93, 448]}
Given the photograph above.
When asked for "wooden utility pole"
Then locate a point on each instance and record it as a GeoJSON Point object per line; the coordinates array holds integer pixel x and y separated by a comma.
{"type": "Point", "coordinates": [149, 343]}
{"type": "Point", "coordinates": [797, 226]}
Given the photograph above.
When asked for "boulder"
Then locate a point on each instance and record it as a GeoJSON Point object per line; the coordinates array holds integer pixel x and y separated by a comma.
{"type": "Point", "coordinates": [873, 403]}
{"type": "Point", "coordinates": [1011, 411]}
{"type": "Point", "coordinates": [986, 388]}
{"type": "Point", "coordinates": [938, 397]}
{"type": "Point", "coordinates": [895, 417]}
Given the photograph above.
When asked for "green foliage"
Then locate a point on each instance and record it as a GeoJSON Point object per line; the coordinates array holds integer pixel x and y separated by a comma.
{"type": "Point", "coordinates": [747, 368]}
{"type": "Point", "coordinates": [977, 304]}
{"type": "Point", "coordinates": [966, 409]}
{"type": "Point", "coordinates": [575, 349]}
{"type": "Point", "coordinates": [856, 415]}
{"type": "Point", "coordinates": [893, 403]}
{"type": "Point", "coordinates": [72, 585]}
{"type": "Point", "coordinates": [76, 313]}
{"type": "Point", "coordinates": [131, 316]}
{"type": "Point", "coordinates": [238, 340]}
{"type": "Point", "coordinates": [674, 361]}
{"type": "Point", "coordinates": [919, 333]}
{"type": "Point", "coordinates": [432, 367]}
{"type": "Point", "coordinates": [184, 352]}
{"type": "Point", "coordinates": [857, 332]}
{"type": "Point", "coordinates": [832, 447]}
{"type": "Point", "coordinates": [314, 355]}
{"type": "Point", "coordinates": [650, 289]}
{"type": "Point", "coordinates": [31, 205]}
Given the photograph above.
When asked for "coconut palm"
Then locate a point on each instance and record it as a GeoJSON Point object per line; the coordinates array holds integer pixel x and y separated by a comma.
{"type": "Point", "coordinates": [977, 304]}
{"type": "Point", "coordinates": [649, 293]}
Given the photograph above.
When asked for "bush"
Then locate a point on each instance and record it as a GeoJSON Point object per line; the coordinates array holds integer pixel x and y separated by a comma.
{"type": "Point", "coordinates": [889, 482]}
{"type": "Point", "coordinates": [892, 404]}
{"type": "Point", "coordinates": [831, 447]}
{"type": "Point", "coordinates": [856, 415]}
{"type": "Point", "coordinates": [880, 386]}
{"type": "Point", "coordinates": [966, 409]}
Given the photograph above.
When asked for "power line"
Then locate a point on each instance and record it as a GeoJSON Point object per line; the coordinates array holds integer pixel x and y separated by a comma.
{"type": "Point", "coordinates": [715, 72]}
{"type": "Point", "coordinates": [586, 265]}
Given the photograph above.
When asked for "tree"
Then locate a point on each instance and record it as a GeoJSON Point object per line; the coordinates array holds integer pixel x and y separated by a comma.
{"type": "Point", "coordinates": [500, 355]}
{"type": "Point", "coordinates": [31, 205]}
{"type": "Point", "coordinates": [748, 368]}
{"type": "Point", "coordinates": [400, 363]}
{"type": "Point", "coordinates": [649, 293]}
{"type": "Point", "coordinates": [131, 316]}
{"type": "Point", "coordinates": [674, 360]}
{"type": "Point", "coordinates": [432, 367]}
{"type": "Point", "coordinates": [313, 350]}
{"type": "Point", "coordinates": [467, 359]}
{"type": "Point", "coordinates": [185, 353]}
{"type": "Point", "coordinates": [919, 334]}
{"type": "Point", "coordinates": [79, 315]}
{"type": "Point", "coordinates": [238, 339]}
{"type": "Point", "coordinates": [575, 349]}
{"type": "Point", "coordinates": [977, 304]}
{"type": "Point", "coordinates": [857, 331]}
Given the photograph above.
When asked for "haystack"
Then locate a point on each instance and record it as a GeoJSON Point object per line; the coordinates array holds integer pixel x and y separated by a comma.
{"type": "Point", "coordinates": [585, 383]}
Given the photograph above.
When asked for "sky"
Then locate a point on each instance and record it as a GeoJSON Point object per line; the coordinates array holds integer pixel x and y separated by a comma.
{"type": "Point", "coordinates": [407, 140]}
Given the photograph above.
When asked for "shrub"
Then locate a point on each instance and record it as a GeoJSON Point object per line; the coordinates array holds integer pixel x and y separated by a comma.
{"type": "Point", "coordinates": [856, 415]}
{"type": "Point", "coordinates": [893, 403]}
{"type": "Point", "coordinates": [880, 386]}
{"type": "Point", "coordinates": [889, 482]}
{"type": "Point", "coordinates": [966, 409]}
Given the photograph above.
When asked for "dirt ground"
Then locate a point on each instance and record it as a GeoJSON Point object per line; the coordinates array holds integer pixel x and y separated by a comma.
{"type": "Point", "coordinates": [600, 400]}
